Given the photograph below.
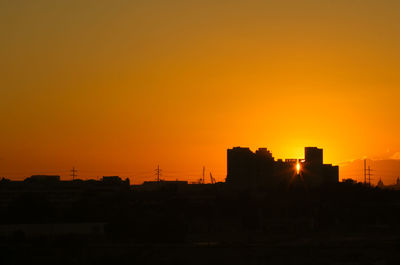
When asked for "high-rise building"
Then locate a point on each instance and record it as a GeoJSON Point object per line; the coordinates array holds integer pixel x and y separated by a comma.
{"type": "Point", "coordinates": [241, 166]}
{"type": "Point", "coordinates": [249, 169]}
{"type": "Point", "coordinates": [313, 155]}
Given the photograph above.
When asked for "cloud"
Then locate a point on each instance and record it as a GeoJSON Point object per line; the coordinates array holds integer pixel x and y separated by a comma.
{"type": "Point", "coordinates": [395, 156]}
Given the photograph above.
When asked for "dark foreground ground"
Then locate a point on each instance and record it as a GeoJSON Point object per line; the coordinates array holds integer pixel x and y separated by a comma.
{"type": "Point", "coordinates": [339, 250]}
{"type": "Point", "coordinates": [209, 224]}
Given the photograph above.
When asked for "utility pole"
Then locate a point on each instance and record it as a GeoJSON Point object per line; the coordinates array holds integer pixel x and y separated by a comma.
{"type": "Point", "coordinates": [158, 173]}
{"type": "Point", "coordinates": [204, 172]}
{"type": "Point", "coordinates": [74, 173]}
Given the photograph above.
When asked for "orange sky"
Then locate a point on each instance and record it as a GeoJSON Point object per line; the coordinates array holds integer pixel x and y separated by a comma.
{"type": "Point", "coordinates": [117, 87]}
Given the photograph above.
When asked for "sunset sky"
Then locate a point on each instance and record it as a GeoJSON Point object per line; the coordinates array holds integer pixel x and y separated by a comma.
{"type": "Point", "coordinates": [118, 87]}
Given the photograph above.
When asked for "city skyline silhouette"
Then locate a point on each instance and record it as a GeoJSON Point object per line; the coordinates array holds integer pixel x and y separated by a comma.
{"type": "Point", "coordinates": [386, 167]}
{"type": "Point", "coordinates": [249, 132]}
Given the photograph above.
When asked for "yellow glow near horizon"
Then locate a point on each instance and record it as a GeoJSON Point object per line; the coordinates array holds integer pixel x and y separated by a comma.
{"type": "Point", "coordinates": [298, 168]}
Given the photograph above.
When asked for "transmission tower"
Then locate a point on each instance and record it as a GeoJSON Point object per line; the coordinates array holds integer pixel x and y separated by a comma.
{"type": "Point", "coordinates": [158, 173]}
{"type": "Point", "coordinates": [74, 173]}
{"type": "Point", "coordinates": [365, 171]}
{"type": "Point", "coordinates": [369, 175]}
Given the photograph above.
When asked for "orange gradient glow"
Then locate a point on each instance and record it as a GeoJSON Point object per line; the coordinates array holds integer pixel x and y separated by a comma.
{"type": "Point", "coordinates": [118, 87]}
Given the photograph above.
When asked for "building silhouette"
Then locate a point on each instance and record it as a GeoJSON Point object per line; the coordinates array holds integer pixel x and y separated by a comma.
{"type": "Point", "coordinates": [43, 178]}
{"type": "Point", "coordinates": [259, 169]}
{"type": "Point", "coordinates": [313, 155]}
{"type": "Point", "coordinates": [314, 171]}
